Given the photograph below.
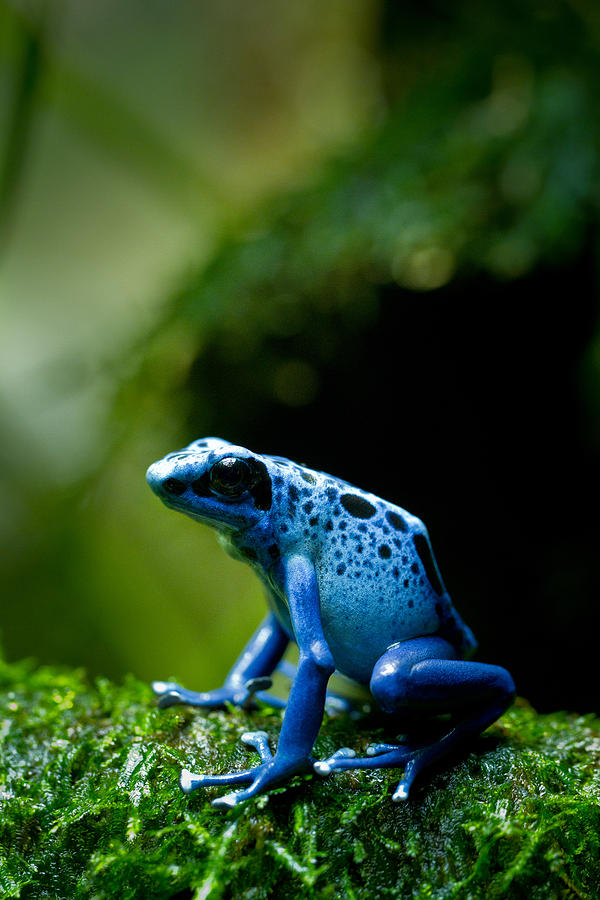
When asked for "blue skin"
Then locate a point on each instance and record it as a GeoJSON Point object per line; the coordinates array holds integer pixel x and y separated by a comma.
{"type": "Point", "coordinates": [352, 580]}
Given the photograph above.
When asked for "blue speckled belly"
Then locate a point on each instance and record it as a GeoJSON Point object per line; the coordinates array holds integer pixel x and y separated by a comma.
{"type": "Point", "coordinates": [360, 621]}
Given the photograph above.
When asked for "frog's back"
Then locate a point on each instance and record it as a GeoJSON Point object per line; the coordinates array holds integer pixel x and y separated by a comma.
{"type": "Point", "coordinates": [378, 580]}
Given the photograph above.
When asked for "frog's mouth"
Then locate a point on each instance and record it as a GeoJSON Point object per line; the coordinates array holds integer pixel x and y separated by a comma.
{"type": "Point", "coordinates": [220, 516]}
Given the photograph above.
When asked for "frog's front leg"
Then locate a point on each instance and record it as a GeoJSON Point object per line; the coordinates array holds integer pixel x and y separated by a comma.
{"type": "Point", "coordinates": [306, 703]}
{"type": "Point", "coordinates": [423, 675]}
{"type": "Point", "coordinates": [248, 675]}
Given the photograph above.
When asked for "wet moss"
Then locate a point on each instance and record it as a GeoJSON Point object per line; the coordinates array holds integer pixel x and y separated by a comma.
{"type": "Point", "coordinates": [90, 806]}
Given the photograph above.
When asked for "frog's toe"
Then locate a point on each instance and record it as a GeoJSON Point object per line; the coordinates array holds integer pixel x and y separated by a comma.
{"type": "Point", "coordinates": [188, 782]}
{"type": "Point", "coordinates": [227, 801]}
{"type": "Point", "coordinates": [170, 698]}
{"type": "Point", "coordinates": [191, 781]}
{"type": "Point", "coordinates": [260, 741]}
{"type": "Point", "coordinates": [413, 767]}
{"type": "Point", "coordinates": [260, 683]}
{"type": "Point", "coordinates": [326, 766]}
{"type": "Point", "coordinates": [163, 687]}
{"type": "Point", "coordinates": [170, 693]}
{"type": "Point", "coordinates": [401, 793]}
{"type": "Point", "coordinates": [378, 749]}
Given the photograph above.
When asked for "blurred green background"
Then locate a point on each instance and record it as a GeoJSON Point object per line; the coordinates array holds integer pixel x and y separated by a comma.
{"type": "Point", "coordinates": [361, 234]}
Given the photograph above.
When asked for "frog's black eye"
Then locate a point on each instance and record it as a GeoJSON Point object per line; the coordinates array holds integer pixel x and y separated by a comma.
{"type": "Point", "coordinates": [230, 477]}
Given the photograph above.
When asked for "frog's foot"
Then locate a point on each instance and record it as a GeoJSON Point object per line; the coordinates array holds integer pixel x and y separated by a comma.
{"type": "Point", "coordinates": [261, 778]}
{"type": "Point", "coordinates": [172, 694]}
{"type": "Point", "coordinates": [378, 749]}
{"type": "Point", "coordinates": [270, 773]}
{"type": "Point", "coordinates": [379, 756]}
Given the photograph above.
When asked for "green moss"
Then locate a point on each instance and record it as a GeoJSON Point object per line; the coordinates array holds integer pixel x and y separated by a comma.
{"type": "Point", "coordinates": [91, 806]}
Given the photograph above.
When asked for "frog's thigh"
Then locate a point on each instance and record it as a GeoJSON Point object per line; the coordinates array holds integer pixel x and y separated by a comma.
{"type": "Point", "coordinates": [424, 675]}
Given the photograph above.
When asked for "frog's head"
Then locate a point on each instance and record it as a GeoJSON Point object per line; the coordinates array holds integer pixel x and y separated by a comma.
{"type": "Point", "coordinates": [214, 482]}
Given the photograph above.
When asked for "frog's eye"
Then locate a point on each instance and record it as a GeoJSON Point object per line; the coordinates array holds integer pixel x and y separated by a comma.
{"type": "Point", "coordinates": [230, 477]}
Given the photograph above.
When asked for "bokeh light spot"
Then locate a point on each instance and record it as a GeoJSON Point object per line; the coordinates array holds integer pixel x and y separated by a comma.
{"type": "Point", "coordinates": [425, 269]}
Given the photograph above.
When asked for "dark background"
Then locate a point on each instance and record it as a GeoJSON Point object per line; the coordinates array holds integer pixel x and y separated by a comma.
{"type": "Point", "coordinates": [466, 411]}
{"type": "Point", "coordinates": [364, 237]}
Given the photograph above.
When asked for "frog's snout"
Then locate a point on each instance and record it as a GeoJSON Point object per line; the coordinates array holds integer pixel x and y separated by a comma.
{"type": "Point", "coordinates": [160, 478]}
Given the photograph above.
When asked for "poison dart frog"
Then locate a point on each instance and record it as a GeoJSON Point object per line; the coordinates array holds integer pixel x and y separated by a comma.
{"type": "Point", "coordinates": [352, 580]}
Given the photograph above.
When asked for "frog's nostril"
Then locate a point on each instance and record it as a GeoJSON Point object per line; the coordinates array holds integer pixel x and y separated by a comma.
{"type": "Point", "coordinates": [174, 486]}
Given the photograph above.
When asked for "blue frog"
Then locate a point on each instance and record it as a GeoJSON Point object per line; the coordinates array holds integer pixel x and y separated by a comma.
{"type": "Point", "coordinates": [352, 580]}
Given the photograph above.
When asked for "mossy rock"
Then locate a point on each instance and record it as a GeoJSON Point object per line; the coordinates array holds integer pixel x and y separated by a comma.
{"type": "Point", "coordinates": [91, 806]}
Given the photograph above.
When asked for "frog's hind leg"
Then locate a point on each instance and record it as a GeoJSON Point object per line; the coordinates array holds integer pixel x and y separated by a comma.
{"type": "Point", "coordinates": [424, 675]}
